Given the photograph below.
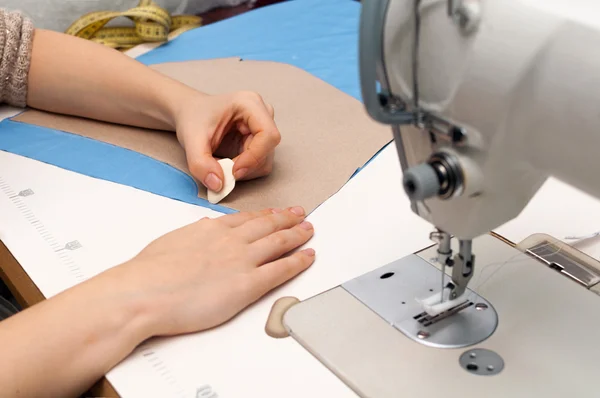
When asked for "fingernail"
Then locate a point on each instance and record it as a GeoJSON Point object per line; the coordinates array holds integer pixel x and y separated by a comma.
{"type": "Point", "coordinates": [309, 252]}
{"type": "Point", "coordinates": [241, 173]}
{"type": "Point", "coordinates": [299, 211]}
{"type": "Point", "coordinates": [213, 182]}
{"type": "Point", "coordinates": [306, 225]}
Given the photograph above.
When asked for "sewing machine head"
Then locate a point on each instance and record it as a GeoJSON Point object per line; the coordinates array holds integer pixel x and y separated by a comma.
{"type": "Point", "coordinates": [457, 166]}
{"type": "Point", "coordinates": [473, 90]}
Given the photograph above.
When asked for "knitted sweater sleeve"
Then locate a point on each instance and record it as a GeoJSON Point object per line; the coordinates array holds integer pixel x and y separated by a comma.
{"type": "Point", "coordinates": [16, 37]}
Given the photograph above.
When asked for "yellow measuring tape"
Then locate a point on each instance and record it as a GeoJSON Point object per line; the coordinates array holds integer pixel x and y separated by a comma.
{"type": "Point", "coordinates": [151, 24]}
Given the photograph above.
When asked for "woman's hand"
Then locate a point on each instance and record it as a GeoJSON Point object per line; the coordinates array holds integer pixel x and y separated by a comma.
{"type": "Point", "coordinates": [188, 280]}
{"type": "Point", "coordinates": [203, 274]}
{"type": "Point", "coordinates": [76, 77]}
{"type": "Point", "coordinates": [239, 126]}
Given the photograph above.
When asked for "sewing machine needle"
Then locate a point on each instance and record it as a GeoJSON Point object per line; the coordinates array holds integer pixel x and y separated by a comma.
{"type": "Point", "coordinates": [442, 289]}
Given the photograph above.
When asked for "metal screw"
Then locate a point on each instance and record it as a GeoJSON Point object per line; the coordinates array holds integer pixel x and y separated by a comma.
{"type": "Point", "coordinates": [481, 306]}
{"type": "Point", "coordinates": [435, 236]}
{"type": "Point", "coordinates": [422, 334]}
{"type": "Point", "coordinates": [458, 134]}
{"type": "Point", "coordinates": [395, 104]}
{"type": "Point", "coordinates": [490, 368]}
{"type": "Point", "coordinates": [394, 108]}
{"type": "Point", "coordinates": [472, 355]}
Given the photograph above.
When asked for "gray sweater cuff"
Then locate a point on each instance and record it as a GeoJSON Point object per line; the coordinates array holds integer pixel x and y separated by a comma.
{"type": "Point", "coordinates": [16, 38]}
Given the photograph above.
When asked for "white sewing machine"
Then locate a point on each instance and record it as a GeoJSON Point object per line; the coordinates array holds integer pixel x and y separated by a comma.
{"type": "Point", "coordinates": [486, 99]}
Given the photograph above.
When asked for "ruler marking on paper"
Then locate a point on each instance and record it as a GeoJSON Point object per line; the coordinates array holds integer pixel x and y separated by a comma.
{"type": "Point", "coordinates": [163, 371]}
{"type": "Point", "coordinates": [38, 226]}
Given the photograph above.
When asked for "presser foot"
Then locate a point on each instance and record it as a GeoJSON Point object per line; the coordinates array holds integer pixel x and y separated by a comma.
{"type": "Point", "coordinates": [442, 303]}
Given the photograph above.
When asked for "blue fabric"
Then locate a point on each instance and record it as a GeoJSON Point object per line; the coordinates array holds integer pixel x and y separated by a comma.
{"type": "Point", "coordinates": [98, 159]}
{"type": "Point", "coordinates": [319, 36]}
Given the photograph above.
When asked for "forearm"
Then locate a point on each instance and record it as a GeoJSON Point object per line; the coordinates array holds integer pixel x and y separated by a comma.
{"type": "Point", "coordinates": [77, 77]}
{"type": "Point", "coordinates": [60, 347]}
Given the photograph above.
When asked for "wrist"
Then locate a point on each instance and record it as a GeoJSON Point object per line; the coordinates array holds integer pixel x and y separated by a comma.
{"type": "Point", "coordinates": [126, 308]}
{"type": "Point", "coordinates": [172, 98]}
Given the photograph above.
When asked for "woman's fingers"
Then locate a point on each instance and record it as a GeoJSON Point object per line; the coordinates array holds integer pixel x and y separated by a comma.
{"type": "Point", "coordinates": [262, 227]}
{"type": "Point", "coordinates": [201, 163]}
{"type": "Point", "coordinates": [237, 219]}
{"type": "Point", "coordinates": [261, 170]}
{"type": "Point", "coordinates": [281, 242]}
{"type": "Point", "coordinates": [271, 275]}
{"type": "Point", "coordinates": [258, 117]}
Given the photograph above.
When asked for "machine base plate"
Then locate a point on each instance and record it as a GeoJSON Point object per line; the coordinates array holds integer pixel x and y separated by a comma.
{"type": "Point", "coordinates": [544, 345]}
{"type": "Point", "coordinates": [391, 292]}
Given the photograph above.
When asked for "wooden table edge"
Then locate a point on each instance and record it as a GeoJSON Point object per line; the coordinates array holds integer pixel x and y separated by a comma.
{"type": "Point", "coordinates": [27, 294]}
